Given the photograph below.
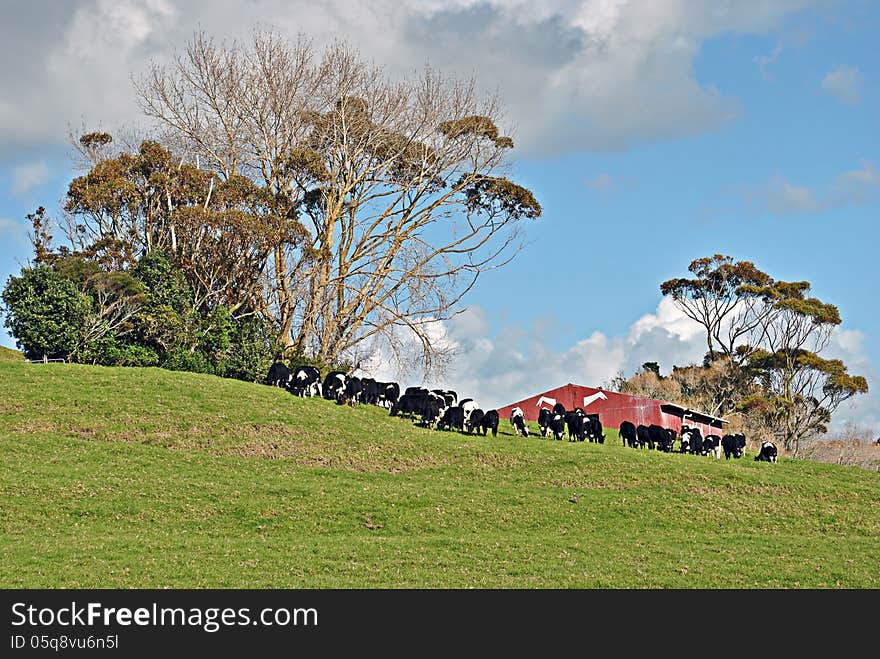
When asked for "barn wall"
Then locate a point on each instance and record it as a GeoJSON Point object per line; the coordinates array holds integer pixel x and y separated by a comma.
{"type": "Point", "coordinates": [613, 409]}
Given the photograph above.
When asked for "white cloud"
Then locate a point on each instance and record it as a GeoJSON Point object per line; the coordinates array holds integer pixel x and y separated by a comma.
{"type": "Point", "coordinates": [28, 176]}
{"type": "Point", "coordinates": [782, 197]}
{"type": "Point", "coordinates": [764, 61]}
{"type": "Point", "coordinates": [577, 74]}
{"type": "Point", "coordinates": [844, 83]}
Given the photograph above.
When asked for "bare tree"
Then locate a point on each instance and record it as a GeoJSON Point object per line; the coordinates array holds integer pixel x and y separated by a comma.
{"type": "Point", "coordinates": [397, 182]}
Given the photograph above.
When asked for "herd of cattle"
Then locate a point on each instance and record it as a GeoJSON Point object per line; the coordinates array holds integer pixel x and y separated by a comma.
{"type": "Point", "coordinates": [441, 409]}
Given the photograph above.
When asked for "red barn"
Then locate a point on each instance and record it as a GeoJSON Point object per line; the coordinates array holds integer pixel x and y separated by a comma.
{"type": "Point", "coordinates": [613, 408]}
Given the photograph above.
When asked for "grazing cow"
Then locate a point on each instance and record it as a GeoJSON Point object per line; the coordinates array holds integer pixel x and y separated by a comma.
{"type": "Point", "coordinates": [305, 382]}
{"type": "Point", "coordinates": [660, 438]}
{"type": "Point", "coordinates": [278, 375]}
{"type": "Point", "coordinates": [518, 421]}
{"type": "Point", "coordinates": [734, 445]}
{"type": "Point", "coordinates": [644, 437]}
{"type": "Point", "coordinates": [557, 426]}
{"type": "Point", "coordinates": [411, 403]}
{"type": "Point", "coordinates": [712, 444]}
{"type": "Point", "coordinates": [628, 434]}
{"type": "Point", "coordinates": [452, 418]}
{"type": "Point", "coordinates": [490, 422]}
{"type": "Point", "coordinates": [369, 391]}
{"type": "Point", "coordinates": [389, 394]}
{"type": "Point", "coordinates": [544, 417]}
{"type": "Point", "coordinates": [767, 453]}
{"type": "Point", "coordinates": [351, 392]}
{"type": "Point", "coordinates": [334, 383]}
{"type": "Point", "coordinates": [474, 421]}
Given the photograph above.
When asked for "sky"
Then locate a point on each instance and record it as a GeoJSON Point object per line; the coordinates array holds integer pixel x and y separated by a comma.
{"type": "Point", "coordinates": [652, 133]}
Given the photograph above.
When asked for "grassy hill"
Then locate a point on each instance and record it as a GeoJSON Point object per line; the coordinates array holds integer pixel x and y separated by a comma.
{"type": "Point", "coordinates": [148, 478]}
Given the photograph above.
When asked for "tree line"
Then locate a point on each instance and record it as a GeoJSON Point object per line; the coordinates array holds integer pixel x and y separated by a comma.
{"type": "Point", "coordinates": [290, 203]}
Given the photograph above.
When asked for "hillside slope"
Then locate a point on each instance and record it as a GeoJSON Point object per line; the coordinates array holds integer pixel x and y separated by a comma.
{"type": "Point", "coordinates": [147, 478]}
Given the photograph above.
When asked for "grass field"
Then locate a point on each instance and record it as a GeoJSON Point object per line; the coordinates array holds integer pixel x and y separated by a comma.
{"type": "Point", "coordinates": [147, 478]}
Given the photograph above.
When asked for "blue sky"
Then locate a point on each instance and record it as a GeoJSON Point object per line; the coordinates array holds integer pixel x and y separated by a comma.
{"type": "Point", "coordinates": [651, 132]}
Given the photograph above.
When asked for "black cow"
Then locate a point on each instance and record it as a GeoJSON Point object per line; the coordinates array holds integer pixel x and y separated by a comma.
{"type": "Point", "coordinates": [767, 453]}
{"type": "Point", "coordinates": [452, 418]}
{"type": "Point", "coordinates": [660, 438]}
{"type": "Point", "coordinates": [559, 408]}
{"type": "Point", "coordinates": [733, 445]}
{"type": "Point", "coordinates": [628, 434]}
{"type": "Point", "coordinates": [696, 441]}
{"type": "Point", "coordinates": [334, 382]}
{"type": "Point", "coordinates": [490, 422]}
{"type": "Point", "coordinates": [411, 403]}
{"type": "Point", "coordinates": [369, 391]}
{"type": "Point", "coordinates": [544, 417]}
{"type": "Point", "coordinates": [278, 375]}
{"type": "Point", "coordinates": [574, 421]}
{"type": "Point", "coordinates": [305, 381]}
{"type": "Point", "coordinates": [474, 421]}
{"type": "Point", "coordinates": [644, 437]}
{"type": "Point", "coordinates": [518, 421]}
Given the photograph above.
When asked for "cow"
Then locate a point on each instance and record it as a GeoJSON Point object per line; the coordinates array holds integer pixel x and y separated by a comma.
{"type": "Point", "coordinates": [734, 445]}
{"type": "Point", "coordinates": [628, 434]}
{"type": "Point", "coordinates": [696, 441]}
{"type": "Point", "coordinates": [644, 437]}
{"type": "Point", "coordinates": [518, 421]}
{"type": "Point", "coordinates": [278, 375]}
{"type": "Point", "coordinates": [334, 382]}
{"type": "Point", "coordinates": [490, 422]}
{"type": "Point", "coordinates": [712, 444]}
{"type": "Point", "coordinates": [659, 438]}
{"type": "Point", "coordinates": [474, 421]}
{"type": "Point", "coordinates": [559, 408]}
{"type": "Point", "coordinates": [369, 391]}
{"type": "Point", "coordinates": [305, 382]}
{"type": "Point", "coordinates": [351, 393]}
{"type": "Point", "coordinates": [467, 405]}
{"type": "Point", "coordinates": [411, 403]}
{"type": "Point", "coordinates": [452, 418]}
{"type": "Point", "coordinates": [574, 421]}
{"type": "Point", "coordinates": [450, 397]}
{"type": "Point", "coordinates": [544, 417]}
{"type": "Point", "coordinates": [767, 453]}
{"type": "Point", "coordinates": [557, 426]}
{"type": "Point", "coordinates": [593, 428]}
{"type": "Point", "coordinates": [389, 394]}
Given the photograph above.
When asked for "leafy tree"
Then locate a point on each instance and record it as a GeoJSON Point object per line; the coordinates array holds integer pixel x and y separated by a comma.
{"type": "Point", "coordinates": [393, 191]}
{"type": "Point", "coordinates": [45, 312]}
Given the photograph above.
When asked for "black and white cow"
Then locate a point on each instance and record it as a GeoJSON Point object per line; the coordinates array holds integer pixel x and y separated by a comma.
{"type": "Point", "coordinates": [467, 405]}
{"type": "Point", "coordinates": [544, 416]}
{"type": "Point", "coordinates": [389, 394]}
{"type": "Point", "coordinates": [559, 408]}
{"type": "Point", "coordinates": [768, 452]}
{"type": "Point", "coordinates": [628, 434]}
{"type": "Point", "coordinates": [278, 375]}
{"type": "Point", "coordinates": [557, 426]}
{"type": "Point", "coordinates": [712, 445]}
{"type": "Point", "coordinates": [490, 422]}
{"type": "Point", "coordinates": [518, 421]}
{"type": "Point", "coordinates": [334, 383]}
{"type": "Point", "coordinates": [305, 382]}
{"type": "Point", "coordinates": [574, 421]}
{"type": "Point", "coordinates": [351, 392]}
{"type": "Point", "coordinates": [734, 445]}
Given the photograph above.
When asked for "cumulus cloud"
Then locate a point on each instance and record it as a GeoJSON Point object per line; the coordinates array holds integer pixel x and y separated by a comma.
{"type": "Point", "coordinates": [782, 197]}
{"type": "Point", "coordinates": [844, 83]}
{"type": "Point", "coordinates": [28, 176]}
{"type": "Point", "coordinates": [576, 74]}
